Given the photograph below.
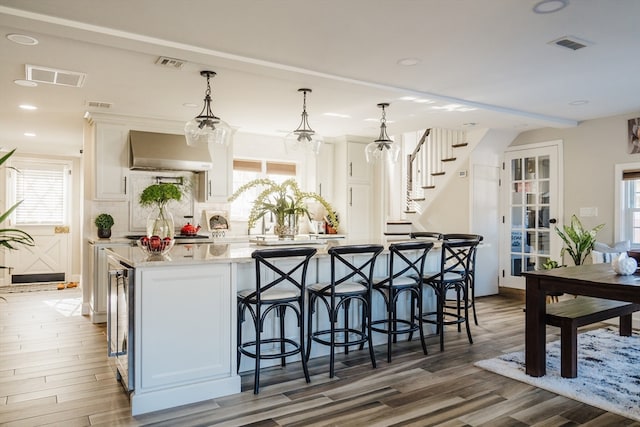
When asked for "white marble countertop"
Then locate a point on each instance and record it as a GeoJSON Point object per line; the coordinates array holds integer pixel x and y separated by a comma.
{"type": "Point", "coordinates": [198, 253]}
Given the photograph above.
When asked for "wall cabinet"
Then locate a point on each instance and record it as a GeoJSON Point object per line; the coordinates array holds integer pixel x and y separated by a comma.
{"type": "Point", "coordinates": [353, 189]}
{"type": "Point", "coordinates": [111, 161]}
{"type": "Point", "coordinates": [324, 171]}
{"type": "Point", "coordinates": [216, 185]}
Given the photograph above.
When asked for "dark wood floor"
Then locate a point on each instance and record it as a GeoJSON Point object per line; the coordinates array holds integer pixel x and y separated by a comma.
{"type": "Point", "coordinates": [53, 371]}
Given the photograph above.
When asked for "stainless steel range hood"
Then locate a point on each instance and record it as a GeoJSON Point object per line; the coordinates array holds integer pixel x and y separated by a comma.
{"type": "Point", "coordinates": [164, 151]}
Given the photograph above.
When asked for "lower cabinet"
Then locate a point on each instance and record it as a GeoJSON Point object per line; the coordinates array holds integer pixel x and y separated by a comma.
{"type": "Point", "coordinates": [184, 348]}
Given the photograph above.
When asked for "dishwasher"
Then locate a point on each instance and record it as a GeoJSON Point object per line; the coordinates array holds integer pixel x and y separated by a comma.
{"type": "Point", "coordinates": [120, 321]}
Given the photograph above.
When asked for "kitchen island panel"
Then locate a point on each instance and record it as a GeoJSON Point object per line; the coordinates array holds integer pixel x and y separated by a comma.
{"type": "Point", "coordinates": [184, 344]}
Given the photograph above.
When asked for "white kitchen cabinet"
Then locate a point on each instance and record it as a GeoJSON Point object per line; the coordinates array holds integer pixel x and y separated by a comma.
{"type": "Point", "coordinates": [98, 277]}
{"type": "Point", "coordinates": [325, 171]}
{"type": "Point", "coordinates": [353, 189]}
{"type": "Point", "coordinates": [359, 214]}
{"type": "Point", "coordinates": [216, 185]}
{"type": "Point", "coordinates": [111, 161]}
{"type": "Point", "coordinates": [358, 168]}
{"type": "Point", "coordinates": [184, 348]}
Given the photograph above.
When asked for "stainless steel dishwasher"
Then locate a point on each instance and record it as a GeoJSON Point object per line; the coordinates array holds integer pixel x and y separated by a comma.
{"type": "Point", "coordinates": [120, 321]}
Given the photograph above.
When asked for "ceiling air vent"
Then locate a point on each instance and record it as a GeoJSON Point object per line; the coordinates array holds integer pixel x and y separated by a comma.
{"type": "Point", "coordinates": [570, 42]}
{"type": "Point", "coordinates": [98, 104]}
{"type": "Point", "coordinates": [170, 62]}
{"type": "Point", "coordinates": [54, 76]}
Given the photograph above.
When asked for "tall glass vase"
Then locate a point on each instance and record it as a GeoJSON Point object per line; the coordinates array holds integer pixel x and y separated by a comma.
{"type": "Point", "coordinates": [288, 229]}
{"type": "Point", "coordinates": [160, 223]}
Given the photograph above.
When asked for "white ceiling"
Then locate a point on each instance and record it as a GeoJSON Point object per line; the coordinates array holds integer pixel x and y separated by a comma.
{"type": "Point", "coordinates": [492, 55]}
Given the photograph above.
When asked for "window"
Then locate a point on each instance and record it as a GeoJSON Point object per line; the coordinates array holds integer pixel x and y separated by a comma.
{"type": "Point", "coordinates": [43, 189]}
{"type": "Point", "coordinates": [245, 171]}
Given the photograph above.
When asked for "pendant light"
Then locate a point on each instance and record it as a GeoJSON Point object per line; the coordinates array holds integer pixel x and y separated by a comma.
{"type": "Point", "coordinates": [383, 144]}
{"type": "Point", "coordinates": [205, 127]}
{"type": "Point", "coordinates": [303, 137]}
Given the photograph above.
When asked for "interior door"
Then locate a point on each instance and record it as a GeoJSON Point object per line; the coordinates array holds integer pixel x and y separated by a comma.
{"type": "Point", "coordinates": [530, 191]}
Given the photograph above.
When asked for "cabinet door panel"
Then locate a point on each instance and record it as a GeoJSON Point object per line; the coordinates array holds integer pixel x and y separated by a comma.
{"type": "Point", "coordinates": [111, 161]}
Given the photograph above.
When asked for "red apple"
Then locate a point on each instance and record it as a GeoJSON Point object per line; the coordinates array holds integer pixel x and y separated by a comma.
{"type": "Point", "coordinates": [155, 243]}
{"type": "Point", "coordinates": [144, 241]}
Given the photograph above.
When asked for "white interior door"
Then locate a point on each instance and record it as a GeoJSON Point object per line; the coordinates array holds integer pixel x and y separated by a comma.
{"type": "Point", "coordinates": [530, 191]}
{"type": "Point", "coordinates": [44, 187]}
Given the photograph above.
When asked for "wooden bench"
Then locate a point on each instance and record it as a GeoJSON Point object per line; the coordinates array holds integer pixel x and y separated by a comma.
{"type": "Point", "coordinates": [571, 314]}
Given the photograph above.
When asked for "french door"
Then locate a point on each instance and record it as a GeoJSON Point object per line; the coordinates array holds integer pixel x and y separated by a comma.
{"type": "Point", "coordinates": [531, 209]}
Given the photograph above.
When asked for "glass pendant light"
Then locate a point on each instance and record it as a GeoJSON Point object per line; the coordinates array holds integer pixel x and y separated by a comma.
{"type": "Point", "coordinates": [303, 137]}
{"type": "Point", "coordinates": [205, 127]}
{"type": "Point", "coordinates": [383, 144]}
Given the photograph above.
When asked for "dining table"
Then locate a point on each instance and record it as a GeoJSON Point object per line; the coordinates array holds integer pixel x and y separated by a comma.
{"type": "Point", "coordinates": [595, 280]}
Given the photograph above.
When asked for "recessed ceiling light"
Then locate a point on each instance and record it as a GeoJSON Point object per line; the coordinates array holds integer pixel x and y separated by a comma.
{"type": "Point", "coordinates": [407, 98]}
{"type": "Point", "coordinates": [25, 83]}
{"type": "Point", "coordinates": [579, 102]}
{"type": "Point", "coordinates": [27, 107]}
{"type": "Point", "coordinates": [190, 105]}
{"type": "Point", "coordinates": [339, 115]}
{"type": "Point", "coordinates": [30, 134]}
{"type": "Point", "coordinates": [423, 101]}
{"type": "Point", "coordinates": [550, 6]}
{"type": "Point", "coordinates": [23, 39]}
{"type": "Point", "coordinates": [408, 62]}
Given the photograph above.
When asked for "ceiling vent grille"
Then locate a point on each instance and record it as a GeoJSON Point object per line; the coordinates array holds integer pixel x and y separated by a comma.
{"type": "Point", "coordinates": [98, 104]}
{"type": "Point", "coordinates": [165, 61]}
{"type": "Point", "coordinates": [570, 42]}
{"type": "Point", "coordinates": [54, 76]}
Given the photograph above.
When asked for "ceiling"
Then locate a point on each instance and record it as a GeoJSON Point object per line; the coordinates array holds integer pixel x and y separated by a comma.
{"type": "Point", "coordinates": [483, 64]}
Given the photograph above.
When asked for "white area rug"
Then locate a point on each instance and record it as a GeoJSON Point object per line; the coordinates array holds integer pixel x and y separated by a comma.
{"type": "Point", "coordinates": [608, 371]}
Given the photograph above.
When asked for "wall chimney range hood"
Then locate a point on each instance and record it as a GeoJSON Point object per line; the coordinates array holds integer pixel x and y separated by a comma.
{"type": "Point", "coordinates": [164, 151]}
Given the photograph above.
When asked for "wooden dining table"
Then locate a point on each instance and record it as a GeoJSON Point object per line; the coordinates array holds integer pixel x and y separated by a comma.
{"type": "Point", "coordinates": [595, 280]}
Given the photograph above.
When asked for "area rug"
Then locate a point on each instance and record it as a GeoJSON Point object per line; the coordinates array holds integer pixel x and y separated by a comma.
{"type": "Point", "coordinates": [608, 371]}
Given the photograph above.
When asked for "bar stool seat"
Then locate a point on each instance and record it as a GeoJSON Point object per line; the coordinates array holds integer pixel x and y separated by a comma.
{"type": "Point", "coordinates": [406, 269]}
{"type": "Point", "coordinates": [279, 288]}
{"type": "Point", "coordinates": [456, 261]}
{"type": "Point", "coordinates": [352, 269]}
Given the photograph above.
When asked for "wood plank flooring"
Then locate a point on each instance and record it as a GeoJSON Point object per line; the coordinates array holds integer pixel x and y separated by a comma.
{"type": "Point", "coordinates": [54, 371]}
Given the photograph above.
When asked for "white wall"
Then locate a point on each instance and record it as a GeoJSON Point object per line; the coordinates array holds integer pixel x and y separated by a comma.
{"type": "Point", "coordinates": [590, 152]}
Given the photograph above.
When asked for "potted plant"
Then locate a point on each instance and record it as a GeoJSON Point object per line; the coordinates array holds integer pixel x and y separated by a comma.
{"type": "Point", "coordinates": [578, 242]}
{"type": "Point", "coordinates": [285, 201]}
{"type": "Point", "coordinates": [160, 221]}
{"type": "Point", "coordinates": [104, 222]}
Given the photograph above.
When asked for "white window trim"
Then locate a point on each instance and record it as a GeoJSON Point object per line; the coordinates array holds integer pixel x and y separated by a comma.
{"type": "Point", "coordinates": [25, 163]}
{"type": "Point", "coordinates": [619, 210]}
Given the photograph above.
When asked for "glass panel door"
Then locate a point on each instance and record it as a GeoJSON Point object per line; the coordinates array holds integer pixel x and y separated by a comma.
{"type": "Point", "coordinates": [529, 218]}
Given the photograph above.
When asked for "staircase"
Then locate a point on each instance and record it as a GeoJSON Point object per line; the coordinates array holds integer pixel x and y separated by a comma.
{"type": "Point", "coordinates": [434, 160]}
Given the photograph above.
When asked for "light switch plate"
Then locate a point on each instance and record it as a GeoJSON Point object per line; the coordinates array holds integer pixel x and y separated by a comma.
{"type": "Point", "coordinates": [584, 212]}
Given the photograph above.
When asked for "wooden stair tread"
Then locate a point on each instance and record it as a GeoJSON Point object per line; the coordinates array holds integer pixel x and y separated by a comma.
{"type": "Point", "coordinates": [462, 144]}
{"type": "Point", "coordinates": [437, 173]}
{"type": "Point", "coordinates": [450, 159]}
{"type": "Point", "coordinates": [427, 187]}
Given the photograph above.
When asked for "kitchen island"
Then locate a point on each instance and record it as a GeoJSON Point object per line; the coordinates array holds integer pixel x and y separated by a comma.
{"type": "Point", "coordinates": [183, 327]}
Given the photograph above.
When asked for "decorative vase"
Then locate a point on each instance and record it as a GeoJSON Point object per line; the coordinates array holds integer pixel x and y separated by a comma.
{"type": "Point", "coordinates": [288, 229]}
{"type": "Point", "coordinates": [624, 265]}
{"type": "Point", "coordinates": [160, 223]}
{"type": "Point", "coordinates": [104, 233]}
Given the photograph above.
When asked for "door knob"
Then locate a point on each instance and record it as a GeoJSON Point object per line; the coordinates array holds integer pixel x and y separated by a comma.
{"type": "Point", "coordinates": [552, 221]}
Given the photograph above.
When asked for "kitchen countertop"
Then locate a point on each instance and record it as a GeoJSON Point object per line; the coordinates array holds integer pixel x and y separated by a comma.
{"type": "Point", "coordinates": [198, 253]}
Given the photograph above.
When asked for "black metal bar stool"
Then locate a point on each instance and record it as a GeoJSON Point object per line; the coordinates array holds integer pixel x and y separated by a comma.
{"type": "Point", "coordinates": [472, 268]}
{"type": "Point", "coordinates": [406, 268]}
{"type": "Point", "coordinates": [352, 269]}
{"type": "Point", "coordinates": [455, 263]}
{"type": "Point", "coordinates": [278, 287]}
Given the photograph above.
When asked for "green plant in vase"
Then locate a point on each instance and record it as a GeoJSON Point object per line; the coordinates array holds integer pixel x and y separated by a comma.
{"type": "Point", "coordinates": [578, 242]}
{"type": "Point", "coordinates": [286, 202]}
{"type": "Point", "coordinates": [160, 221]}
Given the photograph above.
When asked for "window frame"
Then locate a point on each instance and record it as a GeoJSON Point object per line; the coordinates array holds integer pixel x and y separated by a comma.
{"type": "Point", "coordinates": [27, 163]}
